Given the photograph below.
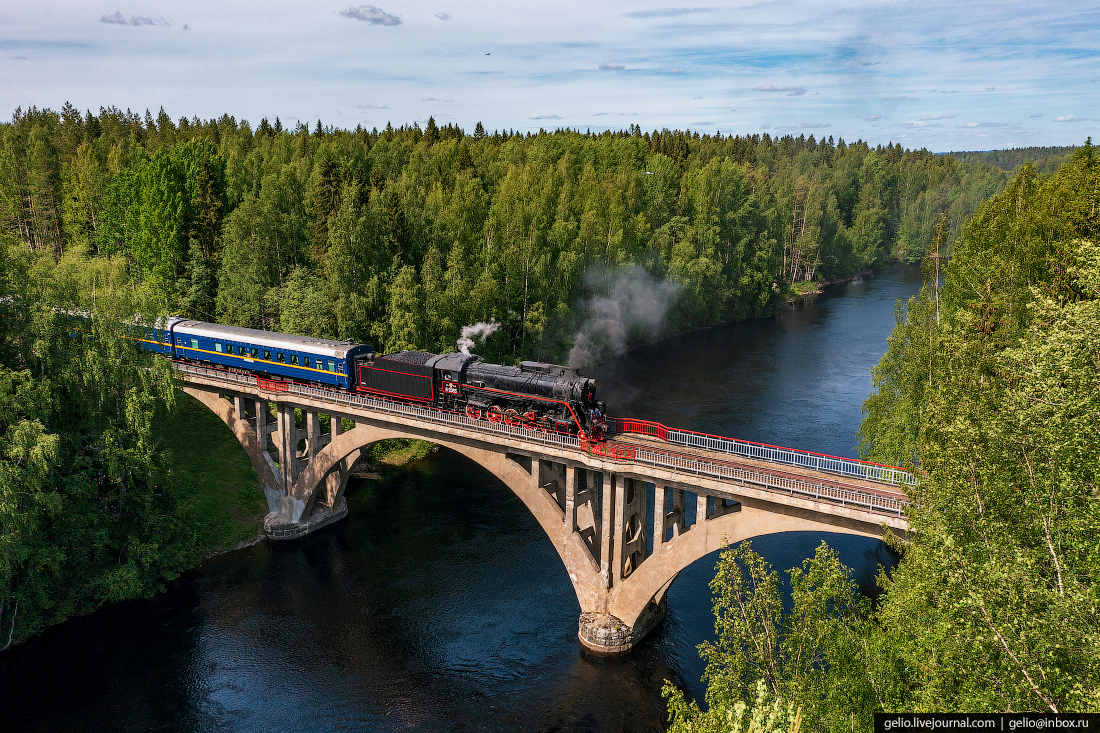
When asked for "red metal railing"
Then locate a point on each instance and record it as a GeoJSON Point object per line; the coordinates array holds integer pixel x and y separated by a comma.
{"type": "Point", "coordinates": [608, 450]}
{"type": "Point", "coordinates": [272, 385]}
{"type": "Point", "coordinates": [638, 427]}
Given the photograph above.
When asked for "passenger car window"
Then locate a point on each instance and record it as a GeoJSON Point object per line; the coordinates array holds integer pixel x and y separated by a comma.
{"type": "Point", "coordinates": [306, 362]}
{"type": "Point", "coordinates": [194, 343]}
{"type": "Point", "coordinates": [282, 359]}
{"type": "Point", "coordinates": [267, 355]}
{"type": "Point", "coordinates": [294, 359]}
{"type": "Point", "coordinates": [255, 353]}
{"type": "Point", "coordinates": [217, 347]}
{"type": "Point", "coordinates": [332, 366]}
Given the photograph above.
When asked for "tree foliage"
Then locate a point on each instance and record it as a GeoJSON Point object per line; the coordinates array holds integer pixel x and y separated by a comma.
{"type": "Point", "coordinates": [990, 390]}
{"type": "Point", "coordinates": [408, 234]}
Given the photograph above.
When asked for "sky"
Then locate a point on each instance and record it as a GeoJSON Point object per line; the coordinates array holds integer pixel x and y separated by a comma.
{"type": "Point", "coordinates": [934, 74]}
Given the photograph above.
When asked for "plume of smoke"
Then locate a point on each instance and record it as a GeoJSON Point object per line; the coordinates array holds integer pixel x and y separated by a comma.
{"type": "Point", "coordinates": [480, 330]}
{"type": "Point", "coordinates": [633, 309]}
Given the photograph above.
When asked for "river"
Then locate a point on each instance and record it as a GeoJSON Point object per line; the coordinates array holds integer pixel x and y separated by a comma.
{"type": "Point", "coordinates": [439, 605]}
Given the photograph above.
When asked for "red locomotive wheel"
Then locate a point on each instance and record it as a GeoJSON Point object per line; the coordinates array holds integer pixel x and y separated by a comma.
{"type": "Point", "coordinates": [512, 418]}
{"type": "Point", "coordinates": [474, 413]}
{"type": "Point", "coordinates": [495, 415]}
{"type": "Point", "coordinates": [530, 420]}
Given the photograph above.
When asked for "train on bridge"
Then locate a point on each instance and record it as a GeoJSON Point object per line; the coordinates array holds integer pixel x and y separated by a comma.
{"type": "Point", "coordinates": [536, 395]}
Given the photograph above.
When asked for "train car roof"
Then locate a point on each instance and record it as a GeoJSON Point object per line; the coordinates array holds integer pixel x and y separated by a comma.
{"type": "Point", "coordinates": [325, 347]}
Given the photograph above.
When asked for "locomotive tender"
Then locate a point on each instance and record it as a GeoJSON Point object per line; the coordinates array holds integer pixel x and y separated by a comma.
{"type": "Point", "coordinates": [535, 395]}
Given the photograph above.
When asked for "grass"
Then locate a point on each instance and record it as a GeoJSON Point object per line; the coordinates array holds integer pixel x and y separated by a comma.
{"type": "Point", "coordinates": [399, 451]}
{"type": "Point", "coordinates": [805, 287]}
{"type": "Point", "coordinates": [217, 489]}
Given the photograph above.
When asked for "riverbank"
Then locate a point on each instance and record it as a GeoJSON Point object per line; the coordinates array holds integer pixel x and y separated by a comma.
{"type": "Point", "coordinates": [805, 289]}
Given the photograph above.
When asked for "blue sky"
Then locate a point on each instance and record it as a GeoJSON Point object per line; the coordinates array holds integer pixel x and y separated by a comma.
{"type": "Point", "coordinates": [941, 75]}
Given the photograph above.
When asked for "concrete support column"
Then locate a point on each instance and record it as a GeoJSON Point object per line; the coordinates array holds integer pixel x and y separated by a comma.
{"type": "Point", "coordinates": [701, 508]}
{"type": "Point", "coordinates": [658, 517]}
{"type": "Point", "coordinates": [635, 533]}
{"type": "Point", "coordinates": [570, 518]}
{"type": "Point", "coordinates": [674, 516]}
{"type": "Point", "coordinates": [288, 445]}
{"type": "Point", "coordinates": [617, 558]}
{"type": "Point", "coordinates": [606, 529]}
{"type": "Point", "coordinates": [313, 435]}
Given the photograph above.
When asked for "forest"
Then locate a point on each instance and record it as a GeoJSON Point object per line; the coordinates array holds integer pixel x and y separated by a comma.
{"type": "Point", "coordinates": [400, 238]}
{"type": "Point", "coordinates": [990, 392]}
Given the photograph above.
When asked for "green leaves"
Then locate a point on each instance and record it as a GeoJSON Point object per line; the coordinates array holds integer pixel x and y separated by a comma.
{"type": "Point", "coordinates": [808, 661]}
{"type": "Point", "coordinates": [994, 604]}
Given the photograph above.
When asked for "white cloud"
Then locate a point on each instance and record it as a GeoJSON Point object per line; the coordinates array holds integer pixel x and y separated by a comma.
{"type": "Point", "coordinates": [936, 117]}
{"type": "Point", "coordinates": [545, 117]}
{"type": "Point", "coordinates": [1071, 118]}
{"type": "Point", "coordinates": [611, 67]}
{"type": "Point", "coordinates": [443, 16]}
{"type": "Point", "coordinates": [136, 20]}
{"type": "Point", "coordinates": [430, 99]}
{"type": "Point", "coordinates": [666, 12]}
{"type": "Point", "coordinates": [676, 70]}
{"type": "Point", "coordinates": [371, 106]}
{"type": "Point", "coordinates": [872, 118]}
{"type": "Point", "coordinates": [791, 91]}
{"type": "Point", "coordinates": [805, 126]}
{"type": "Point", "coordinates": [1035, 116]}
{"type": "Point", "coordinates": [371, 14]}
{"type": "Point", "coordinates": [982, 124]}
{"type": "Point", "coordinates": [599, 114]}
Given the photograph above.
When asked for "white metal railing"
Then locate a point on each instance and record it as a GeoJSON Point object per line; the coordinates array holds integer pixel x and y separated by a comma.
{"type": "Point", "coordinates": [805, 459]}
{"type": "Point", "coordinates": [689, 464]}
{"type": "Point", "coordinates": [643, 455]}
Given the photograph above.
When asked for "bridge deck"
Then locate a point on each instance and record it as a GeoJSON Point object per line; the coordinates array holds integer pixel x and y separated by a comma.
{"type": "Point", "coordinates": [777, 469]}
{"type": "Point", "coordinates": [625, 448]}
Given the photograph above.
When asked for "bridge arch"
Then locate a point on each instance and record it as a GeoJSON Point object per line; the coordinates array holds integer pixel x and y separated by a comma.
{"type": "Point", "coordinates": [753, 518]}
{"type": "Point", "coordinates": [520, 473]}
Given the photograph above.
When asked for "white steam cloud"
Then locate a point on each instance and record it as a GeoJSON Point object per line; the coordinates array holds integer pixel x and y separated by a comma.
{"type": "Point", "coordinates": [480, 330]}
{"type": "Point", "coordinates": [633, 309]}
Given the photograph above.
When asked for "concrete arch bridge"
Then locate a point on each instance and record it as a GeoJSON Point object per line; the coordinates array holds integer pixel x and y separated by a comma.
{"type": "Point", "coordinates": [590, 499]}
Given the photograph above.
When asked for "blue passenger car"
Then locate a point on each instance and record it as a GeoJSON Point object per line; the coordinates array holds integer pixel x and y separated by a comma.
{"type": "Point", "coordinates": [276, 354]}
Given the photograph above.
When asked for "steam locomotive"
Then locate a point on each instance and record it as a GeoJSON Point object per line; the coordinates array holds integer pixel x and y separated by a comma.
{"type": "Point", "coordinates": [534, 395]}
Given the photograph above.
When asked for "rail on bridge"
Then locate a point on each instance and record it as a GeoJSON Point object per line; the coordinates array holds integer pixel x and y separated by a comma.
{"type": "Point", "coordinates": [590, 497]}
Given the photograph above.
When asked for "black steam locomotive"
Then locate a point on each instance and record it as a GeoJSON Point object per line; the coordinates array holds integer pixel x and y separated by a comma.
{"type": "Point", "coordinates": [535, 395]}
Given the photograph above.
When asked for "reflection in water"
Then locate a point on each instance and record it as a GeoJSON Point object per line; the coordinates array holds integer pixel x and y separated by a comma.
{"type": "Point", "coordinates": [439, 605]}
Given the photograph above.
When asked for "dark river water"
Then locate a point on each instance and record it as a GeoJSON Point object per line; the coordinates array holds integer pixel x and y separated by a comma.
{"type": "Point", "coordinates": [439, 605]}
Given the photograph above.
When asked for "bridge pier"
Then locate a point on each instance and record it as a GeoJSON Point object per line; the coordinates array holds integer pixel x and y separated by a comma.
{"type": "Point", "coordinates": [591, 501]}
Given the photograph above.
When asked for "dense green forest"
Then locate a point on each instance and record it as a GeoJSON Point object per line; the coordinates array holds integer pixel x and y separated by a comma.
{"type": "Point", "coordinates": [400, 238]}
{"type": "Point", "coordinates": [1044, 160]}
{"type": "Point", "coordinates": [990, 389]}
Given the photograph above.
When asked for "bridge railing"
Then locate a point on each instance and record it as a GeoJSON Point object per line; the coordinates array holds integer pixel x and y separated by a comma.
{"type": "Point", "coordinates": [635, 454]}
{"type": "Point", "coordinates": [763, 451]}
